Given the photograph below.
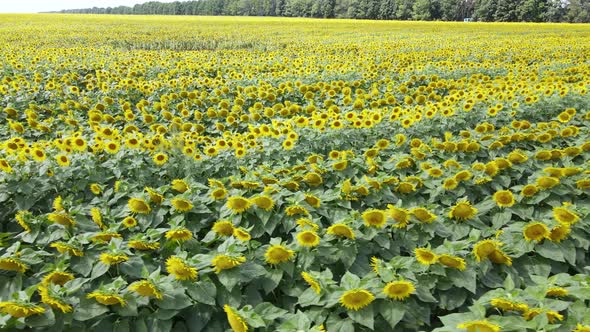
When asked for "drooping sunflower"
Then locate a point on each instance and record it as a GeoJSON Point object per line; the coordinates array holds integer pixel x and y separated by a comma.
{"type": "Point", "coordinates": [236, 322]}
{"type": "Point", "coordinates": [180, 185]}
{"type": "Point", "coordinates": [181, 204]}
{"type": "Point", "coordinates": [180, 269]}
{"type": "Point", "coordinates": [560, 232]}
{"type": "Point", "coordinates": [374, 218]}
{"type": "Point", "coordinates": [138, 205]}
{"type": "Point", "coordinates": [143, 245]}
{"type": "Point", "coordinates": [341, 230]}
{"type": "Point", "coordinates": [504, 198]}
{"type": "Point", "coordinates": [97, 217]}
{"type": "Point", "coordinates": [483, 249]}
{"type": "Point", "coordinates": [313, 200]}
{"type": "Point", "coordinates": [582, 328]}
{"type": "Point", "coordinates": [63, 248]}
{"type": "Point", "coordinates": [146, 288]}
{"type": "Point", "coordinates": [529, 190]}
{"type": "Point", "coordinates": [463, 210]}
{"type": "Point", "coordinates": [20, 310]}
{"type": "Point", "coordinates": [53, 301]}
{"type": "Point", "coordinates": [277, 253]}
{"type": "Point", "coordinates": [308, 239]}
{"type": "Point", "coordinates": [399, 290]}
{"type": "Point", "coordinates": [225, 262]}
{"type": "Point", "coordinates": [425, 256]}
{"type": "Point", "coordinates": [565, 216]}
{"type": "Point", "coordinates": [536, 231]}
{"type": "Point", "coordinates": [155, 197]}
{"type": "Point", "coordinates": [356, 299]}
{"type": "Point", "coordinates": [314, 284]}
{"type": "Point", "coordinates": [241, 234]}
{"type": "Point", "coordinates": [547, 182]}
{"type": "Point", "coordinates": [294, 210]}
{"type": "Point", "coordinates": [452, 261]}
{"type": "Point", "coordinates": [13, 264]}
{"type": "Point", "coordinates": [113, 259]}
{"type": "Point", "coordinates": [423, 215]}
{"type": "Point", "coordinates": [479, 326]}
{"type": "Point", "coordinates": [264, 202]}
{"type": "Point", "coordinates": [179, 234]}
{"type": "Point", "coordinates": [57, 278]}
{"type": "Point", "coordinates": [400, 216]}
{"type": "Point", "coordinates": [507, 305]}
{"type": "Point", "coordinates": [238, 204]}
{"type": "Point", "coordinates": [557, 292]}
{"type": "Point", "coordinates": [500, 257]}
{"type": "Point", "coordinates": [22, 217]}
{"type": "Point", "coordinates": [61, 218]}
{"type": "Point", "coordinates": [107, 298]}
{"type": "Point", "coordinates": [223, 228]}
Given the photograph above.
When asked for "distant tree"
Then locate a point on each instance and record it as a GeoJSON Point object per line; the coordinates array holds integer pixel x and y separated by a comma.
{"type": "Point", "coordinates": [451, 10]}
{"type": "Point", "coordinates": [405, 9]}
{"type": "Point", "coordinates": [387, 9]}
{"type": "Point", "coordinates": [578, 11]}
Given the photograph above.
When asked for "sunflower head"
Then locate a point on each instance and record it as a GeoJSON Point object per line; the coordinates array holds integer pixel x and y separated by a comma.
{"type": "Point", "coordinates": [504, 198]}
{"type": "Point", "coordinates": [277, 253]}
{"type": "Point", "coordinates": [308, 239]}
{"type": "Point", "coordinates": [341, 230]}
{"type": "Point", "coordinates": [536, 231]}
{"type": "Point", "coordinates": [463, 210]}
{"type": "Point", "coordinates": [236, 322]}
{"type": "Point", "coordinates": [177, 267]}
{"type": "Point", "coordinates": [138, 205]}
{"type": "Point", "coordinates": [425, 256]}
{"type": "Point", "coordinates": [399, 290]}
{"type": "Point", "coordinates": [356, 299]}
{"type": "Point", "coordinates": [374, 218]}
{"type": "Point", "coordinates": [238, 204]}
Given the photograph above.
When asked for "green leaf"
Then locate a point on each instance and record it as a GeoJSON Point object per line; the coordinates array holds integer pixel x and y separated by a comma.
{"type": "Point", "coordinates": [364, 316]}
{"type": "Point", "coordinates": [88, 309]}
{"type": "Point", "coordinates": [202, 291]}
{"type": "Point", "coordinates": [550, 250]}
{"type": "Point", "coordinates": [269, 312]}
{"type": "Point", "coordinates": [392, 312]}
{"type": "Point", "coordinates": [98, 270]}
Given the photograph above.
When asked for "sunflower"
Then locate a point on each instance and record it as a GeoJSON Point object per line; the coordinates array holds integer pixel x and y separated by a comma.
{"type": "Point", "coordinates": [177, 267]}
{"type": "Point", "coordinates": [129, 222]}
{"type": "Point", "coordinates": [313, 200]}
{"type": "Point", "coordinates": [21, 217]}
{"type": "Point", "coordinates": [238, 204]}
{"type": "Point", "coordinates": [462, 211]}
{"type": "Point", "coordinates": [499, 257]}
{"type": "Point", "coordinates": [241, 234]}
{"type": "Point", "coordinates": [529, 190]}
{"type": "Point", "coordinates": [294, 210]}
{"type": "Point", "coordinates": [20, 310]}
{"type": "Point", "coordinates": [160, 158]}
{"type": "Point", "coordinates": [106, 298]}
{"type": "Point", "coordinates": [547, 182]}
{"type": "Point", "coordinates": [143, 245]}
{"type": "Point", "coordinates": [506, 305]}
{"type": "Point", "coordinates": [582, 328]}
{"type": "Point", "coordinates": [308, 239]}
{"type": "Point", "coordinates": [155, 197]}
{"type": "Point", "coordinates": [264, 202]}
{"type": "Point", "coordinates": [450, 183]}
{"type": "Point", "coordinates": [180, 185]}
{"type": "Point", "coordinates": [180, 234]}
{"type": "Point", "coordinates": [311, 282]}
{"type": "Point", "coordinates": [374, 218]}
{"type": "Point", "coordinates": [218, 194]}
{"type": "Point", "coordinates": [52, 301]}
{"type": "Point", "coordinates": [401, 216]}
{"type": "Point", "coordinates": [5, 166]}
{"type": "Point", "coordinates": [399, 290]}
{"type": "Point", "coordinates": [223, 228]}
{"type": "Point", "coordinates": [63, 248]}
{"type": "Point", "coordinates": [105, 237]}
{"type": "Point", "coordinates": [38, 154]}
{"type": "Point", "coordinates": [340, 165]}
{"type": "Point", "coordinates": [146, 288]}
{"type": "Point", "coordinates": [423, 215]}
{"type": "Point", "coordinates": [341, 230]}
{"type": "Point", "coordinates": [557, 292]}
{"type": "Point", "coordinates": [356, 299]}
{"type": "Point", "coordinates": [138, 205]}
{"type": "Point", "coordinates": [57, 278]}
{"type": "Point", "coordinates": [479, 326]}
{"type": "Point", "coordinates": [225, 262]}
{"type": "Point", "coordinates": [236, 322]}
{"type": "Point", "coordinates": [97, 217]}
{"type": "Point", "coordinates": [559, 232]}
{"type": "Point", "coordinates": [277, 253]}
{"type": "Point", "coordinates": [536, 231]}
{"type": "Point", "coordinates": [452, 261]}
{"type": "Point", "coordinates": [503, 198]}
{"type": "Point", "coordinates": [483, 249]}
{"type": "Point", "coordinates": [110, 259]}
{"type": "Point", "coordinates": [553, 316]}
{"type": "Point", "coordinates": [181, 204]}
{"type": "Point", "coordinates": [425, 256]}
{"type": "Point", "coordinates": [565, 216]}
{"type": "Point", "coordinates": [112, 147]}
{"type": "Point", "coordinates": [62, 160]}
{"type": "Point", "coordinates": [405, 187]}
{"type": "Point", "coordinates": [13, 264]}
{"type": "Point", "coordinates": [61, 218]}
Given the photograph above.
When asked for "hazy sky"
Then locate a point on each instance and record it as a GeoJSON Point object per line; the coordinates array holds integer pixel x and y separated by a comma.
{"type": "Point", "coordinates": [34, 6]}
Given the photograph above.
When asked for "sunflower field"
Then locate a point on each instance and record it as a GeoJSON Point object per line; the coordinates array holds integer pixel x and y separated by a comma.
{"type": "Point", "coordinates": [264, 174]}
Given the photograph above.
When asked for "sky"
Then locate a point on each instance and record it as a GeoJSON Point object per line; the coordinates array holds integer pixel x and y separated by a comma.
{"type": "Point", "coordinates": [35, 6]}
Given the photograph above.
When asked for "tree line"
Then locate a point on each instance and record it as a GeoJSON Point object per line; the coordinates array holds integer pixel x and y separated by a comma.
{"type": "Point", "coordinates": [575, 11]}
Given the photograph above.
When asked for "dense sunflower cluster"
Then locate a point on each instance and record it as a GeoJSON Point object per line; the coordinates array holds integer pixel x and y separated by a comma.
{"type": "Point", "coordinates": [286, 174]}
